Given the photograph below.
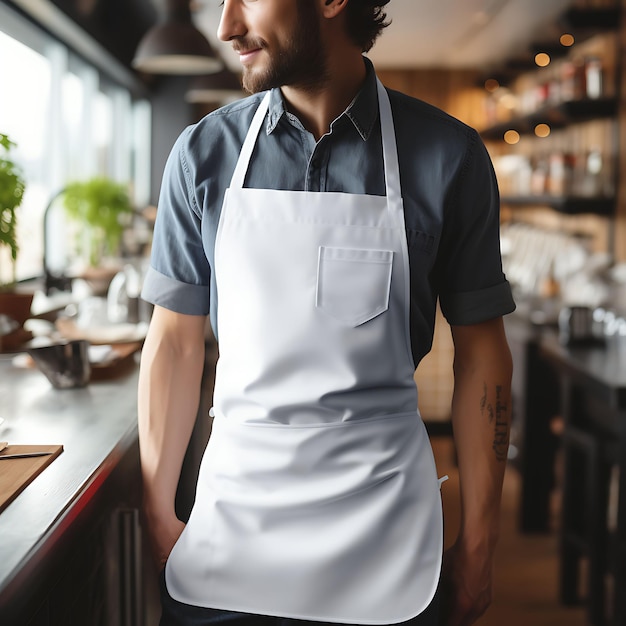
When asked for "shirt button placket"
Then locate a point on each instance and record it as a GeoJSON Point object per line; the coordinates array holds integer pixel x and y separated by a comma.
{"type": "Point", "coordinates": [315, 175]}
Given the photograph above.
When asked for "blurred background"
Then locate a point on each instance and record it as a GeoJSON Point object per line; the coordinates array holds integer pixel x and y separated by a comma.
{"type": "Point", "coordinates": [93, 94]}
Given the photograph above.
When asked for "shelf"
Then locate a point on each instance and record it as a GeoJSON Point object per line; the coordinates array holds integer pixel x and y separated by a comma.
{"type": "Point", "coordinates": [570, 205]}
{"type": "Point", "coordinates": [556, 116]}
{"type": "Point", "coordinates": [582, 23]}
{"type": "Point", "coordinates": [592, 19]}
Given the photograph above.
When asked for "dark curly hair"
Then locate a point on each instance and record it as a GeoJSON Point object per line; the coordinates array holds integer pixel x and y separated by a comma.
{"type": "Point", "coordinates": [365, 21]}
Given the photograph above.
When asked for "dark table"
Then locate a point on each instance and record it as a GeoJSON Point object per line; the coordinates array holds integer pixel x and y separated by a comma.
{"type": "Point", "coordinates": [535, 402]}
{"type": "Point", "coordinates": [592, 379]}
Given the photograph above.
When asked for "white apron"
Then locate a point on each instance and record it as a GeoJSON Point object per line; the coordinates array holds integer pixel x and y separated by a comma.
{"type": "Point", "coordinates": [317, 496]}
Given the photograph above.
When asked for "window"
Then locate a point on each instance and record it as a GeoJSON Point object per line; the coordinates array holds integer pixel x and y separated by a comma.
{"type": "Point", "coordinates": [23, 114]}
{"type": "Point", "coordinates": [69, 122]}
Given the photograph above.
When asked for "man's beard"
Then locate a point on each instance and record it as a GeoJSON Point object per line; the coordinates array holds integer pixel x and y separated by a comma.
{"type": "Point", "coordinates": [299, 63]}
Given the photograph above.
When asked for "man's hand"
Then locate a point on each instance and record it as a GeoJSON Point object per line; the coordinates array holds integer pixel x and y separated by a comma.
{"type": "Point", "coordinates": [466, 586]}
{"type": "Point", "coordinates": [163, 535]}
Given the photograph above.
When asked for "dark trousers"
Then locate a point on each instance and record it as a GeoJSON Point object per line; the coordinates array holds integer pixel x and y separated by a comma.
{"type": "Point", "coordinates": [176, 613]}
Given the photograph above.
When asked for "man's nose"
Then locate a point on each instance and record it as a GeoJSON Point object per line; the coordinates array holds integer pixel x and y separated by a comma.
{"type": "Point", "coordinates": [231, 24]}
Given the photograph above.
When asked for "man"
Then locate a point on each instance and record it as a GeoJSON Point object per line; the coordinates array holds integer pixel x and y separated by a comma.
{"type": "Point", "coordinates": [318, 223]}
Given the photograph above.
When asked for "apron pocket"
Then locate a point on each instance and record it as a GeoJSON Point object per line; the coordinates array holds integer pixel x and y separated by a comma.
{"type": "Point", "coordinates": [352, 284]}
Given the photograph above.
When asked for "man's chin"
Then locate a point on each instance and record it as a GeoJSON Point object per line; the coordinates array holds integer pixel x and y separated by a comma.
{"type": "Point", "coordinates": [248, 80]}
{"type": "Point", "coordinates": [254, 82]}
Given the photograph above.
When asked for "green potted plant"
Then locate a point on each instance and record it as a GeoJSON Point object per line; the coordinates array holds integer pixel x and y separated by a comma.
{"type": "Point", "coordinates": [14, 304]}
{"type": "Point", "coordinates": [100, 209]}
{"type": "Point", "coordinates": [12, 187]}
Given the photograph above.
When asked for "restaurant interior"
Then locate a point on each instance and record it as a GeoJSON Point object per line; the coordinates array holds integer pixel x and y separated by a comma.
{"type": "Point", "coordinates": [94, 93]}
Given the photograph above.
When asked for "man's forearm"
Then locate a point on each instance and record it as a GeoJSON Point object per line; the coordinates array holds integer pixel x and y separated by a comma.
{"type": "Point", "coordinates": [481, 420]}
{"type": "Point", "coordinates": [169, 390]}
{"type": "Point", "coordinates": [481, 416]}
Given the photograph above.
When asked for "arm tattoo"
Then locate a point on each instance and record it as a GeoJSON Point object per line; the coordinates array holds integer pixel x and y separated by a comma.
{"type": "Point", "coordinates": [483, 400]}
{"type": "Point", "coordinates": [486, 407]}
{"type": "Point", "coordinates": [498, 417]}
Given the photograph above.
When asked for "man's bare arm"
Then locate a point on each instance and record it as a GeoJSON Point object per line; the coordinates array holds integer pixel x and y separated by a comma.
{"type": "Point", "coordinates": [170, 376]}
{"type": "Point", "coordinates": [480, 419]}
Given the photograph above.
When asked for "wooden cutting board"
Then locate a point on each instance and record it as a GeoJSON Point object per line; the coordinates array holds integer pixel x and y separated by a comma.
{"type": "Point", "coordinates": [15, 474]}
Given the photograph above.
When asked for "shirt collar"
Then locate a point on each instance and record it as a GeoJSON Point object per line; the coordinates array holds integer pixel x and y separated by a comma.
{"type": "Point", "coordinates": [362, 111]}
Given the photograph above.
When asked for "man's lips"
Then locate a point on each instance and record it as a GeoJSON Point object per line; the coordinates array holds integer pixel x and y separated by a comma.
{"type": "Point", "coordinates": [247, 54]}
{"type": "Point", "coordinates": [247, 49]}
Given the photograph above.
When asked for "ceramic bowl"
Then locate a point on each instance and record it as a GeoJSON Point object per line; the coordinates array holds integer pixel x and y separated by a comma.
{"type": "Point", "coordinates": [65, 365]}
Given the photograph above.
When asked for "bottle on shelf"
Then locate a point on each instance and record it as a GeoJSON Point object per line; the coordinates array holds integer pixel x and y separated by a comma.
{"type": "Point", "coordinates": [593, 77]}
{"type": "Point", "coordinates": [539, 176]}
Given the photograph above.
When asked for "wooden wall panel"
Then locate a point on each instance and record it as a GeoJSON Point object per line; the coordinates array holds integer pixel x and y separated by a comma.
{"type": "Point", "coordinates": [457, 92]}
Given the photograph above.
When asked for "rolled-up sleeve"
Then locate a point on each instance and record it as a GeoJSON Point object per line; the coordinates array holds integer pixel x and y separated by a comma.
{"type": "Point", "coordinates": [179, 274]}
{"type": "Point", "coordinates": [473, 287]}
{"type": "Point", "coordinates": [175, 295]}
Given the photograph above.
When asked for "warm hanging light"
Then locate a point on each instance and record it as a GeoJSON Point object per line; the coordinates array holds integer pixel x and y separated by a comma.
{"type": "Point", "coordinates": [542, 59]}
{"type": "Point", "coordinates": [511, 137]}
{"type": "Point", "coordinates": [542, 130]}
{"type": "Point", "coordinates": [221, 87]}
{"type": "Point", "coordinates": [492, 85]}
{"type": "Point", "coordinates": [176, 46]}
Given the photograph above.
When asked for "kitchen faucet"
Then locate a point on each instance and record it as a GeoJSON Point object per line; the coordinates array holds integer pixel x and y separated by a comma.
{"type": "Point", "coordinates": [52, 280]}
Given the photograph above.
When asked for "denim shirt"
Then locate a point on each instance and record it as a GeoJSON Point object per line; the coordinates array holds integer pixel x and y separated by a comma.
{"type": "Point", "coordinates": [450, 195]}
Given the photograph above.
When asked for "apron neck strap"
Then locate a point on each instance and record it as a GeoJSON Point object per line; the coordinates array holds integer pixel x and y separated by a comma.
{"type": "Point", "coordinates": [239, 174]}
{"type": "Point", "coordinates": [390, 152]}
